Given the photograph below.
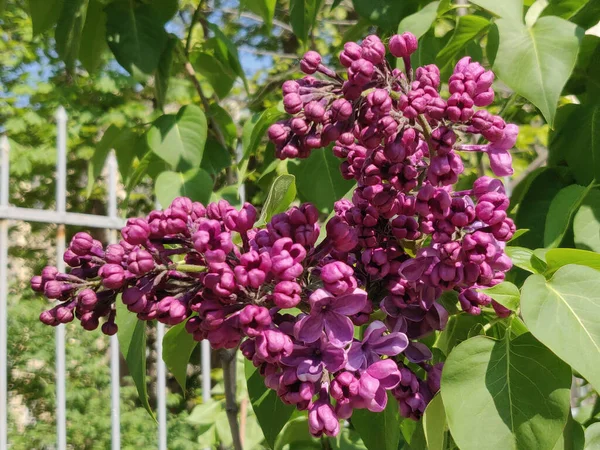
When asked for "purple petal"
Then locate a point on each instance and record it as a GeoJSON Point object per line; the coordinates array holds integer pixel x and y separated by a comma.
{"type": "Point", "coordinates": [390, 345]}
{"type": "Point", "coordinates": [417, 352]}
{"type": "Point", "coordinates": [500, 162]}
{"type": "Point", "coordinates": [386, 371]}
{"type": "Point", "coordinates": [509, 139]}
{"type": "Point", "coordinates": [379, 402]}
{"type": "Point", "coordinates": [374, 331]}
{"type": "Point", "coordinates": [339, 329]}
{"type": "Point", "coordinates": [334, 358]}
{"type": "Point", "coordinates": [309, 371]}
{"type": "Point", "coordinates": [356, 357]}
{"type": "Point", "coordinates": [310, 328]}
{"type": "Point", "coordinates": [350, 304]}
{"type": "Point", "coordinates": [320, 298]}
{"type": "Point", "coordinates": [367, 386]}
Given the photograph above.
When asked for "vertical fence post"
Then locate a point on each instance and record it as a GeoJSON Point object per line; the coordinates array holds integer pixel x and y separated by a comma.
{"type": "Point", "coordinates": [4, 184]}
{"type": "Point", "coordinates": [205, 366]}
{"type": "Point", "coordinates": [161, 382]}
{"type": "Point", "coordinates": [61, 206]}
{"type": "Point", "coordinates": [115, 381]}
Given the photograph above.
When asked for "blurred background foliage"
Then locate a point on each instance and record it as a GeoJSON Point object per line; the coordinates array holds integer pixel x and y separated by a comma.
{"type": "Point", "coordinates": [183, 91]}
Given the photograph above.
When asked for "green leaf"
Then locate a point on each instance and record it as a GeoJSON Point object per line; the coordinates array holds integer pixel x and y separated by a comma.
{"type": "Point", "coordinates": [582, 149]}
{"type": "Point", "coordinates": [561, 211]}
{"type": "Point", "coordinates": [515, 391]}
{"type": "Point", "coordinates": [179, 139]}
{"type": "Point", "coordinates": [385, 13]}
{"type": "Point", "coordinates": [564, 8]}
{"type": "Point", "coordinates": [573, 437]}
{"type": "Point", "coordinates": [318, 179]}
{"type": "Point", "coordinates": [457, 330]}
{"type": "Point", "coordinates": [226, 52]}
{"type": "Point", "coordinates": [420, 22]}
{"type": "Point", "coordinates": [220, 78]}
{"type": "Point", "coordinates": [264, 8]}
{"type": "Point", "coordinates": [564, 314]}
{"type": "Point", "coordinates": [219, 115]}
{"type": "Point", "coordinates": [69, 30]}
{"type": "Point", "coordinates": [93, 37]}
{"type": "Point", "coordinates": [132, 342]}
{"type": "Point", "coordinates": [205, 413]}
{"type": "Point", "coordinates": [136, 36]}
{"type": "Point", "coordinates": [272, 414]}
{"type": "Point", "coordinates": [519, 232]}
{"type": "Point", "coordinates": [587, 16]}
{"type": "Point", "coordinates": [434, 424]}
{"type": "Point", "coordinates": [586, 224]}
{"type": "Point", "coordinates": [163, 71]}
{"type": "Point", "coordinates": [295, 433]}
{"type": "Point", "coordinates": [379, 431]}
{"type": "Point", "coordinates": [558, 257]}
{"type": "Point", "coordinates": [195, 184]}
{"type": "Point", "coordinates": [467, 28]}
{"type": "Point", "coordinates": [429, 47]}
{"type": "Point", "coordinates": [178, 346]}
{"type": "Point", "coordinates": [505, 293]}
{"type": "Point", "coordinates": [303, 14]}
{"type": "Point", "coordinates": [255, 129]}
{"type": "Point", "coordinates": [165, 9]}
{"type": "Point", "coordinates": [508, 9]}
{"type": "Point", "coordinates": [281, 195]}
{"type": "Point", "coordinates": [44, 14]}
{"type": "Point", "coordinates": [527, 60]}
{"type": "Point", "coordinates": [592, 436]}
{"type": "Point", "coordinates": [215, 157]}
{"type": "Point", "coordinates": [535, 204]}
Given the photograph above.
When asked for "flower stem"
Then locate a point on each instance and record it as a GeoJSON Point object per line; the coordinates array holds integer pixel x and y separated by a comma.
{"type": "Point", "coordinates": [189, 268]}
{"type": "Point", "coordinates": [228, 360]}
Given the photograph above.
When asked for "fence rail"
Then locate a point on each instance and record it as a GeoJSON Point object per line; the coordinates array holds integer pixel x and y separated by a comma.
{"type": "Point", "coordinates": [61, 217]}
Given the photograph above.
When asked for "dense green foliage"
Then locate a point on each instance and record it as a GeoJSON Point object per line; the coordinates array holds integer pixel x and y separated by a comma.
{"type": "Point", "coordinates": [184, 91]}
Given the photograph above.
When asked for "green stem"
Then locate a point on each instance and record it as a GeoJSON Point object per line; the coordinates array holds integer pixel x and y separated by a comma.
{"type": "Point", "coordinates": [189, 268]}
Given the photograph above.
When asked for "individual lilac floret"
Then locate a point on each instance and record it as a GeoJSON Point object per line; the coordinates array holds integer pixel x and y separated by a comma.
{"type": "Point", "coordinates": [375, 343]}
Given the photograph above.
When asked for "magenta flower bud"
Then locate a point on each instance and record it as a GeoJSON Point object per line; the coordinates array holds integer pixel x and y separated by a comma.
{"type": "Point", "coordinates": [49, 318]}
{"type": "Point", "coordinates": [434, 377]}
{"type": "Point", "coordinates": [55, 289]}
{"type": "Point", "coordinates": [36, 283]}
{"type": "Point", "coordinates": [81, 244]}
{"type": "Point", "coordinates": [352, 52]}
{"type": "Point", "coordinates": [113, 276]}
{"type": "Point", "coordinates": [483, 185]}
{"type": "Point", "coordinates": [290, 87]}
{"type": "Point", "coordinates": [310, 62]}
{"type": "Point", "coordinates": [114, 254]}
{"type": "Point", "coordinates": [341, 109]}
{"type": "Point", "coordinates": [278, 134]}
{"type": "Point", "coordinates": [500, 310]}
{"type": "Point", "coordinates": [89, 321]}
{"type": "Point", "coordinates": [314, 111]}
{"type": "Point", "coordinates": [343, 237]}
{"type": "Point", "coordinates": [286, 294]}
{"type": "Point", "coordinates": [299, 126]}
{"type": "Point", "coordinates": [254, 320]}
{"type": "Point", "coordinates": [71, 259]}
{"type": "Point", "coordinates": [242, 220]}
{"type": "Point", "coordinates": [360, 72]}
{"type": "Point", "coordinates": [428, 76]}
{"type": "Point", "coordinates": [373, 49]}
{"type": "Point", "coordinates": [322, 418]}
{"type": "Point", "coordinates": [403, 45]}
{"type": "Point", "coordinates": [109, 328]}
{"type": "Point", "coordinates": [351, 91]}
{"type": "Point", "coordinates": [338, 278]}
{"type": "Point", "coordinates": [292, 103]}
{"type": "Point", "coordinates": [272, 345]}
{"type": "Point", "coordinates": [87, 299]}
{"type": "Point", "coordinates": [491, 208]}
{"type": "Point", "coordinates": [64, 314]}
{"type": "Point", "coordinates": [136, 232]}
{"type": "Point", "coordinates": [140, 262]}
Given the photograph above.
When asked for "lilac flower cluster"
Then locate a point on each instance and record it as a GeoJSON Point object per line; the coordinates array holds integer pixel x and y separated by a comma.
{"type": "Point", "coordinates": [333, 326]}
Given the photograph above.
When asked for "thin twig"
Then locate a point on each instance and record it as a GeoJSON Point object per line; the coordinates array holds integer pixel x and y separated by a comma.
{"type": "Point", "coordinates": [254, 17]}
{"type": "Point", "coordinates": [243, 418]}
{"type": "Point", "coordinates": [228, 360]}
{"type": "Point", "coordinates": [195, 17]}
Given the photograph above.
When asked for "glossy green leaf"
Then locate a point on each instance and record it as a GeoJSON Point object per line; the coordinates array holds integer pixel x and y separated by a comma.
{"type": "Point", "coordinates": [564, 314]}
{"type": "Point", "coordinates": [522, 257]}
{"type": "Point", "coordinates": [205, 413]}
{"type": "Point", "coordinates": [558, 257]}
{"type": "Point", "coordinates": [527, 60]}
{"type": "Point", "coordinates": [44, 14]}
{"type": "Point", "coordinates": [226, 52]}
{"type": "Point", "coordinates": [429, 47]}
{"type": "Point", "coordinates": [586, 224]}
{"type": "Point", "coordinates": [219, 115]}
{"type": "Point", "coordinates": [385, 13]}
{"type": "Point", "coordinates": [573, 436]}
{"type": "Point", "coordinates": [163, 71]}
{"type": "Point", "coordinates": [420, 22]}
{"type": "Point", "coordinates": [561, 212]}
{"type": "Point", "coordinates": [318, 179]}
{"type": "Point", "coordinates": [179, 139]}
{"type": "Point", "coordinates": [535, 204]}
{"type": "Point", "coordinates": [93, 38]}
{"type": "Point", "coordinates": [272, 414]}
{"type": "Point", "coordinates": [588, 16]}
{"type": "Point", "coordinates": [264, 8]}
{"type": "Point", "coordinates": [515, 391]}
{"type": "Point", "coordinates": [220, 78]}
{"type": "Point", "coordinates": [434, 424]}
{"type": "Point", "coordinates": [165, 9]}
{"type": "Point", "coordinates": [457, 330]}
{"type": "Point", "coordinates": [69, 29]}
{"type": "Point", "coordinates": [564, 8]}
{"type": "Point", "coordinates": [195, 184]}
{"type": "Point", "coordinates": [467, 28]}
{"type": "Point", "coordinates": [178, 346]}
{"type": "Point", "coordinates": [281, 195]}
{"type": "Point", "coordinates": [505, 293]}
{"type": "Point", "coordinates": [592, 436]}
{"type": "Point", "coordinates": [132, 342]}
{"type": "Point", "coordinates": [215, 157]}
{"type": "Point", "coordinates": [379, 431]}
{"type": "Point", "coordinates": [295, 433]}
{"type": "Point", "coordinates": [136, 36]}
{"type": "Point", "coordinates": [303, 14]}
{"type": "Point", "coordinates": [508, 9]}
{"type": "Point", "coordinates": [255, 129]}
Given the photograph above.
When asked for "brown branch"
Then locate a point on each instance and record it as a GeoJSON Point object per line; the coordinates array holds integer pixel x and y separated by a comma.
{"type": "Point", "coordinates": [228, 360]}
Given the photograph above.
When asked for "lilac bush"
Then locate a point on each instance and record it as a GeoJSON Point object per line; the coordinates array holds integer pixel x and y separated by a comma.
{"type": "Point", "coordinates": [333, 325]}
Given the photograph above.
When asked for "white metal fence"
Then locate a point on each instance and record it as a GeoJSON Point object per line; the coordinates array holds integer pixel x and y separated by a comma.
{"type": "Point", "coordinates": [61, 217]}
